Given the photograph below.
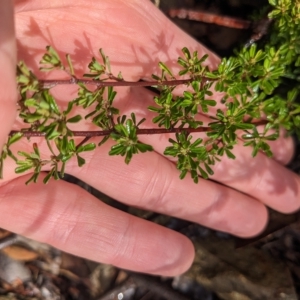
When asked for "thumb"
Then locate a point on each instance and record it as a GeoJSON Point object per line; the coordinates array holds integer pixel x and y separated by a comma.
{"type": "Point", "coordinates": [8, 93]}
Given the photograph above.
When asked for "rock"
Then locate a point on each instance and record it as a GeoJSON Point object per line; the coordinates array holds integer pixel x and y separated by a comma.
{"type": "Point", "coordinates": [246, 273]}
{"type": "Point", "coordinates": [12, 270]}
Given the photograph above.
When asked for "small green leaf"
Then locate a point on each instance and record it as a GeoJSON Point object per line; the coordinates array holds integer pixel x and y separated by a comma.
{"type": "Point", "coordinates": [111, 94]}
{"type": "Point", "coordinates": [208, 169]}
{"type": "Point", "coordinates": [106, 138]}
{"type": "Point", "coordinates": [121, 129]}
{"type": "Point", "coordinates": [210, 102]}
{"type": "Point", "coordinates": [74, 119]}
{"type": "Point", "coordinates": [133, 118]}
{"type": "Point", "coordinates": [117, 149]}
{"type": "Point", "coordinates": [14, 138]}
{"type": "Point", "coordinates": [69, 108]}
{"type": "Point", "coordinates": [196, 86]}
{"type": "Point", "coordinates": [94, 66]}
{"type": "Point", "coordinates": [183, 72]}
{"type": "Point", "coordinates": [128, 155]}
{"type": "Point", "coordinates": [255, 150]}
{"type": "Point", "coordinates": [33, 178]}
{"type": "Point", "coordinates": [144, 147]}
{"type": "Point", "coordinates": [183, 174]}
{"type": "Point", "coordinates": [244, 126]}
{"type": "Point", "coordinates": [36, 150]}
{"type": "Point", "coordinates": [272, 137]}
{"type": "Point", "coordinates": [70, 64]}
{"type": "Point", "coordinates": [51, 58]}
{"type": "Point", "coordinates": [50, 99]}
{"type": "Point", "coordinates": [31, 102]}
{"type": "Point", "coordinates": [229, 154]}
{"type": "Point", "coordinates": [87, 147]}
{"type": "Point", "coordinates": [186, 53]}
{"type": "Point", "coordinates": [80, 161]}
{"type": "Point", "coordinates": [48, 176]}
{"type": "Point", "coordinates": [23, 168]}
{"type": "Point", "coordinates": [165, 68]}
{"type": "Point", "coordinates": [203, 173]}
{"type": "Point", "coordinates": [51, 135]}
{"type": "Point", "coordinates": [24, 154]}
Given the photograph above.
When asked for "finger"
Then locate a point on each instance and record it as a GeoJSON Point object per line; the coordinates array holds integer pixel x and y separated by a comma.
{"type": "Point", "coordinates": [283, 148]}
{"type": "Point", "coordinates": [152, 182]}
{"type": "Point", "coordinates": [262, 178]}
{"type": "Point", "coordinates": [7, 71]}
{"type": "Point", "coordinates": [69, 218]}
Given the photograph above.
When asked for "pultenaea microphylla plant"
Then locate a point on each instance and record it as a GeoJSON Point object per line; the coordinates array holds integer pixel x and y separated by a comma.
{"type": "Point", "coordinates": [261, 79]}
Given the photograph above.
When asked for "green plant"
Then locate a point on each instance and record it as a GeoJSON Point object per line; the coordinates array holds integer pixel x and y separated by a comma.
{"type": "Point", "coordinates": [261, 79]}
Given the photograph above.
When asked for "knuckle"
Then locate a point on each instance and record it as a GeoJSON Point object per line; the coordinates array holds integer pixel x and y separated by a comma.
{"type": "Point", "coordinates": [157, 190]}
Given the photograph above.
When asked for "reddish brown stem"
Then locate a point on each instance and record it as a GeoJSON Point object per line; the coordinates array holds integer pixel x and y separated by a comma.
{"type": "Point", "coordinates": [89, 134]}
{"type": "Point", "coordinates": [98, 83]}
{"type": "Point", "coordinates": [83, 141]}
{"type": "Point", "coordinates": [206, 17]}
{"type": "Point", "coordinates": [109, 131]}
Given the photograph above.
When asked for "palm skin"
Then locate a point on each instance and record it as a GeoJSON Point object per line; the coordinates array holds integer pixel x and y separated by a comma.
{"type": "Point", "coordinates": [136, 36]}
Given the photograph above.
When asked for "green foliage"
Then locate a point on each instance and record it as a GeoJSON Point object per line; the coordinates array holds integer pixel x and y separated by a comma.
{"type": "Point", "coordinates": [32, 161]}
{"type": "Point", "coordinates": [43, 113]}
{"type": "Point", "coordinates": [26, 80]}
{"type": "Point", "coordinates": [192, 65]}
{"type": "Point", "coordinates": [260, 86]}
{"type": "Point", "coordinates": [51, 60]}
{"type": "Point", "coordinates": [104, 110]}
{"type": "Point", "coordinates": [6, 151]}
{"type": "Point", "coordinates": [191, 156]}
{"type": "Point", "coordinates": [125, 134]}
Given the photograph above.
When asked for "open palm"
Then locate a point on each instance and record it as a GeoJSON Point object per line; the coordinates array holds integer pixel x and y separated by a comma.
{"type": "Point", "coordinates": [136, 36]}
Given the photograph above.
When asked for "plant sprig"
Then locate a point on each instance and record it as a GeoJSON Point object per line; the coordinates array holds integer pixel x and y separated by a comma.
{"type": "Point", "coordinates": [260, 82]}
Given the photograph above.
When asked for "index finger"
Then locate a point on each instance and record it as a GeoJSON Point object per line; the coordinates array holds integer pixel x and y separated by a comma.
{"type": "Point", "coordinates": [7, 71]}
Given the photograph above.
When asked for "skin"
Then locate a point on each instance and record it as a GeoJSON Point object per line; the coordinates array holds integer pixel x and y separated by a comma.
{"type": "Point", "coordinates": [135, 35]}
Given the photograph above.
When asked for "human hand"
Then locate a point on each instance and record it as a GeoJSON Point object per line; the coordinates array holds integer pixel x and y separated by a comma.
{"type": "Point", "coordinates": [136, 36]}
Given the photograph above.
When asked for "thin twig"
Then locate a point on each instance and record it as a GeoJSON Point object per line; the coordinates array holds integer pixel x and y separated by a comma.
{"type": "Point", "coordinates": [8, 241]}
{"type": "Point", "coordinates": [48, 83]}
{"type": "Point", "coordinates": [261, 28]}
{"type": "Point", "coordinates": [119, 290]}
{"type": "Point", "coordinates": [83, 141]}
{"type": "Point", "coordinates": [90, 134]}
{"type": "Point", "coordinates": [206, 17]}
{"type": "Point", "coordinates": [157, 288]}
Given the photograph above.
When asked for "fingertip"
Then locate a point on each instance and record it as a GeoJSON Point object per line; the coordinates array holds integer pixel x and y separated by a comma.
{"type": "Point", "coordinates": [252, 221]}
{"type": "Point", "coordinates": [261, 219]}
{"type": "Point", "coordinates": [295, 146]}
{"type": "Point", "coordinates": [283, 148]}
{"type": "Point", "coordinates": [185, 257]}
{"type": "Point", "coordinates": [182, 258]}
